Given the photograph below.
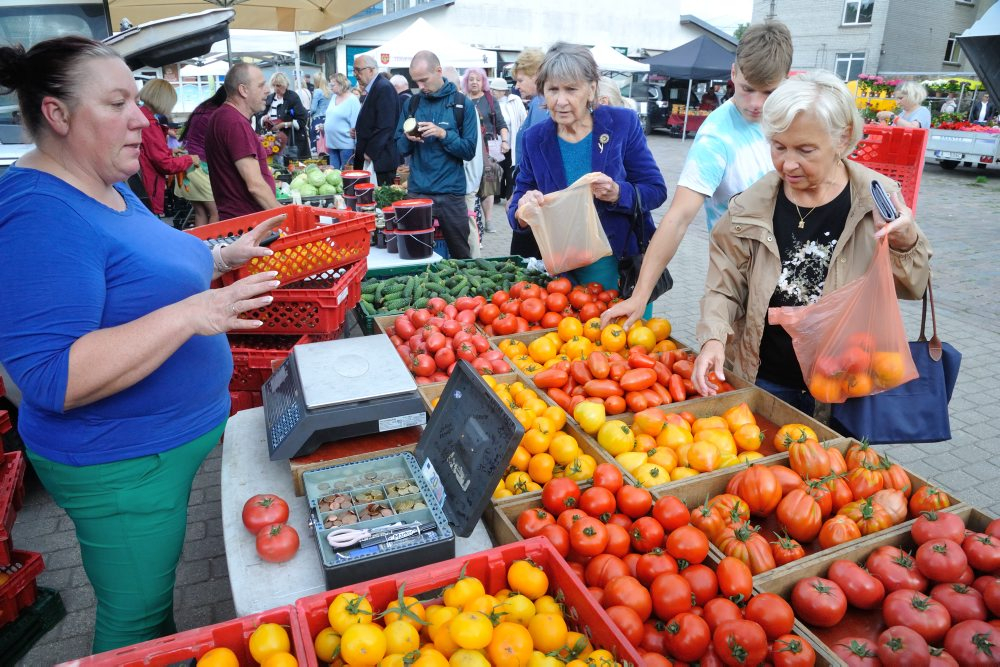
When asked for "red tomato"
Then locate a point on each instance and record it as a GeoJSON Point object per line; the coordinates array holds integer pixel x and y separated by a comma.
{"type": "Point", "coordinates": [899, 646]}
{"type": "Point", "coordinates": [688, 637]}
{"type": "Point", "coordinates": [688, 543]}
{"type": "Point", "coordinates": [602, 568]}
{"type": "Point", "coordinates": [532, 309]}
{"type": "Point", "coordinates": [963, 602]}
{"type": "Point", "coordinates": [647, 533]}
{"type": "Point", "coordinates": [671, 594]}
{"type": "Point", "coordinates": [720, 610]}
{"type": "Point", "coordinates": [735, 579]}
{"type": "Point", "coordinates": [559, 495]}
{"type": "Point", "coordinates": [654, 637]}
{"type": "Point", "coordinates": [772, 613]}
{"type": "Point", "coordinates": [588, 537]}
{"type": "Point", "coordinates": [621, 520]}
{"type": "Point", "coordinates": [786, 550]}
{"type": "Point", "coordinates": [444, 358]}
{"type": "Point", "coordinates": [857, 652]}
{"type": "Point", "coordinates": [531, 521]}
{"type": "Point", "coordinates": [651, 565]}
{"type": "Point", "coordinates": [792, 651]}
{"type": "Point", "coordinates": [559, 286]}
{"type": "Point", "coordinates": [862, 589]}
{"type": "Point", "coordinates": [626, 590]}
{"type": "Point", "coordinates": [634, 501]}
{"type": "Point", "coordinates": [704, 584]}
{"type": "Point", "coordinates": [608, 476]}
{"type": "Point", "coordinates": [559, 537]}
{"type": "Point", "coordinates": [627, 621]}
{"type": "Point", "coordinates": [263, 510]}
{"type": "Point", "coordinates": [740, 643]}
{"type": "Point", "coordinates": [990, 590]}
{"type": "Point", "coordinates": [671, 513]}
{"type": "Point", "coordinates": [819, 601]}
{"type": "Point", "coordinates": [941, 560]}
{"type": "Point", "coordinates": [568, 518]}
{"type": "Point", "coordinates": [973, 643]}
{"type": "Point", "coordinates": [938, 525]}
{"type": "Point", "coordinates": [596, 501]}
{"type": "Point", "coordinates": [896, 569]}
{"type": "Point", "coordinates": [918, 611]}
{"type": "Point", "coordinates": [983, 552]}
{"type": "Point", "coordinates": [277, 543]}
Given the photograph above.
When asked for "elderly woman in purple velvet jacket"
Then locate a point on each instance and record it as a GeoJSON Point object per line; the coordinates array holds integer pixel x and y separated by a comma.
{"type": "Point", "coordinates": [579, 139]}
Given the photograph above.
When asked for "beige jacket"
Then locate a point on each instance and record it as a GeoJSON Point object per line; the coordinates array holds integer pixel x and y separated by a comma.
{"type": "Point", "coordinates": [744, 264]}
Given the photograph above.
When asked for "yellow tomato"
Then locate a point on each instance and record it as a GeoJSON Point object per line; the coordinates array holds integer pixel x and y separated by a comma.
{"type": "Point", "coordinates": [523, 396]}
{"type": "Point", "coordinates": [531, 486]}
{"type": "Point", "coordinates": [644, 336]}
{"type": "Point", "coordinates": [510, 645]}
{"type": "Point", "coordinates": [524, 417]}
{"type": "Point", "coordinates": [577, 646]}
{"type": "Point", "coordinates": [578, 347]}
{"type": "Point", "coordinates": [528, 579]}
{"type": "Point", "coordinates": [393, 660]}
{"type": "Point", "coordinates": [682, 473]}
{"type": "Point", "coordinates": [464, 657]}
{"type": "Point", "coordinates": [728, 461]}
{"type": "Point", "coordinates": [569, 327]}
{"type": "Point", "coordinates": [613, 338]}
{"type": "Point", "coordinates": [363, 645]}
{"type": "Point", "coordinates": [564, 448]}
{"type": "Point", "coordinates": [664, 457]}
{"type": "Point", "coordinates": [720, 437]}
{"type": "Point", "coordinates": [401, 637]}
{"type": "Point", "coordinates": [326, 644]}
{"type": "Point", "coordinates": [280, 659]}
{"type": "Point", "coordinates": [443, 642]}
{"type": "Point", "coordinates": [541, 467]}
{"type": "Point", "coordinates": [682, 454]}
{"type": "Point", "coordinates": [556, 415]}
{"type": "Point", "coordinates": [515, 387]}
{"type": "Point", "coordinates": [631, 460]}
{"type": "Point", "coordinates": [548, 605]}
{"type": "Point", "coordinates": [412, 611]}
{"type": "Point", "coordinates": [590, 416]}
{"type": "Point", "coordinates": [536, 441]}
{"type": "Point", "coordinates": [219, 657]}
{"type": "Point", "coordinates": [268, 638]}
{"type": "Point", "coordinates": [704, 456]}
{"type": "Point", "coordinates": [581, 469]}
{"type": "Point", "coordinates": [548, 632]}
{"type": "Point", "coordinates": [615, 436]}
{"type": "Point", "coordinates": [747, 457]}
{"type": "Point", "coordinates": [515, 480]}
{"type": "Point", "coordinates": [502, 493]}
{"type": "Point", "coordinates": [748, 437]}
{"type": "Point", "coordinates": [660, 326]}
{"type": "Point", "coordinates": [673, 436]}
{"type": "Point", "coordinates": [601, 658]}
{"type": "Point", "coordinates": [512, 348]}
{"type": "Point", "coordinates": [464, 590]}
{"type": "Point", "coordinates": [520, 460]}
{"type": "Point", "coordinates": [539, 659]}
{"type": "Point", "coordinates": [542, 349]}
{"type": "Point", "coordinates": [517, 608]}
{"type": "Point", "coordinates": [708, 422]}
{"type": "Point", "coordinates": [471, 630]}
{"type": "Point", "coordinates": [436, 618]}
{"type": "Point", "coordinates": [521, 361]}
{"type": "Point", "coordinates": [485, 604]}
{"type": "Point", "coordinates": [429, 657]}
{"type": "Point", "coordinates": [650, 474]}
{"type": "Point", "coordinates": [592, 329]}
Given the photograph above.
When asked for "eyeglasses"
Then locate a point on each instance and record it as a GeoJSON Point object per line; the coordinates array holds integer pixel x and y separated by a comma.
{"type": "Point", "coordinates": [361, 69]}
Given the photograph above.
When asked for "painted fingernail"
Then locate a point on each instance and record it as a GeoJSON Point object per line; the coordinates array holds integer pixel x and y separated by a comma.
{"type": "Point", "coordinates": [268, 299]}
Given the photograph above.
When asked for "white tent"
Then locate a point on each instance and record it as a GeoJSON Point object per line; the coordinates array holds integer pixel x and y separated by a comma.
{"type": "Point", "coordinates": [609, 60]}
{"type": "Point", "coordinates": [217, 68]}
{"type": "Point", "coordinates": [259, 41]}
{"type": "Point", "coordinates": [399, 51]}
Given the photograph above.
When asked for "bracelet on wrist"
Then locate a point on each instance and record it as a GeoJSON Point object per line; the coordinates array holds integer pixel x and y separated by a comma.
{"type": "Point", "coordinates": [220, 264]}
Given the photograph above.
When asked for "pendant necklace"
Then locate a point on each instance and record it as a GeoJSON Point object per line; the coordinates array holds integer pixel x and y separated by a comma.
{"type": "Point", "coordinates": [802, 218]}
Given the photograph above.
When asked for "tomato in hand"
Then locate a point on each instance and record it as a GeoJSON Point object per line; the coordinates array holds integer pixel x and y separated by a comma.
{"type": "Point", "coordinates": [861, 589]}
{"type": "Point", "coordinates": [277, 543]}
{"type": "Point", "coordinates": [900, 646]}
{"type": "Point", "coordinates": [819, 601]}
{"type": "Point", "coordinates": [772, 613]}
{"type": "Point", "coordinates": [792, 651]}
{"type": "Point", "coordinates": [263, 510]}
{"type": "Point", "coordinates": [688, 637]}
{"type": "Point", "coordinates": [740, 643]}
{"type": "Point", "coordinates": [917, 611]}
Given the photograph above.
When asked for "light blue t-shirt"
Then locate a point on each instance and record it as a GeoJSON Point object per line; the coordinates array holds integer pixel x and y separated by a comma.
{"type": "Point", "coordinates": [921, 114]}
{"type": "Point", "coordinates": [729, 154]}
{"type": "Point", "coordinates": [340, 118]}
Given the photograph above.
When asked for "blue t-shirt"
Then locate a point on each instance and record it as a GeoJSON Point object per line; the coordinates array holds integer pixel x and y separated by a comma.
{"type": "Point", "coordinates": [729, 154]}
{"type": "Point", "coordinates": [576, 158]}
{"type": "Point", "coordinates": [921, 114]}
{"type": "Point", "coordinates": [70, 266]}
{"type": "Point", "coordinates": [340, 119]}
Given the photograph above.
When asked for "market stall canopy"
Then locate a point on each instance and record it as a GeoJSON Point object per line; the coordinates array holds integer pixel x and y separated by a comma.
{"type": "Point", "coordinates": [981, 45]}
{"type": "Point", "coordinates": [699, 59]}
{"type": "Point", "coordinates": [399, 51]}
{"type": "Point", "coordinates": [171, 40]}
{"type": "Point", "coordinates": [288, 15]}
{"type": "Point", "coordinates": [610, 60]}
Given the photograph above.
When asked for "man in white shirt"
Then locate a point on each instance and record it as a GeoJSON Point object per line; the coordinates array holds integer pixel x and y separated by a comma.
{"type": "Point", "coordinates": [514, 114]}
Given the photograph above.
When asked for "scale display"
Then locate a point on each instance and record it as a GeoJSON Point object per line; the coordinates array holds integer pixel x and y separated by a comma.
{"type": "Point", "coordinates": [338, 389]}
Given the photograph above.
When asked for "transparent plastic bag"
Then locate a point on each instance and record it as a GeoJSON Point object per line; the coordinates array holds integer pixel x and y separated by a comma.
{"type": "Point", "coordinates": [567, 229]}
{"type": "Point", "coordinates": [851, 342]}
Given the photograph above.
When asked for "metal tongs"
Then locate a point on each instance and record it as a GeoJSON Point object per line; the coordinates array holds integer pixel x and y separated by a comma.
{"type": "Point", "coordinates": [344, 538]}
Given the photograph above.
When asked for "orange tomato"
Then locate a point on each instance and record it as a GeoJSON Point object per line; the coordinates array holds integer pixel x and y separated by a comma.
{"type": "Point", "coordinates": [748, 438]}
{"type": "Point", "coordinates": [520, 459]}
{"type": "Point", "coordinates": [707, 423]}
{"type": "Point", "coordinates": [660, 327]}
{"type": "Point", "coordinates": [673, 436]}
{"type": "Point", "coordinates": [578, 347]}
{"type": "Point", "coordinates": [510, 646]}
{"type": "Point", "coordinates": [569, 327]}
{"type": "Point", "coordinates": [542, 349]}
{"type": "Point", "coordinates": [592, 329]}
{"type": "Point", "coordinates": [738, 415]}
{"type": "Point", "coordinates": [825, 389]}
{"type": "Point", "coordinates": [541, 467]}
{"type": "Point", "coordinates": [888, 369]}
{"type": "Point", "coordinates": [856, 385]}
{"type": "Point", "coordinates": [613, 338]}
{"type": "Point", "coordinates": [790, 433]}
{"type": "Point", "coordinates": [704, 456]}
{"type": "Point", "coordinates": [640, 335]}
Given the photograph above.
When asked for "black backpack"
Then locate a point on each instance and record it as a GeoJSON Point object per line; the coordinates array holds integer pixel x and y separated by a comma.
{"type": "Point", "coordinates": [456, 104]}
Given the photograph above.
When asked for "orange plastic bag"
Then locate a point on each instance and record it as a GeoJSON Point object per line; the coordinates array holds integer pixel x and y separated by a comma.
{"type": "Point", "coordinates": [567, 229]}
{"type": "Point", "coordinates": [851, 342]}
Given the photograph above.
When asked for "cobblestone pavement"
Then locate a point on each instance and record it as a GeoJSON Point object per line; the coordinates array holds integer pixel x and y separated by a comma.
{"type": "Point", "coordinates": [959, 214]}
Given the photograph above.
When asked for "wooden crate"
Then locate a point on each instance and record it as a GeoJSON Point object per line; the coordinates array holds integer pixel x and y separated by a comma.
{"type": "Point", "coordinates": [858, 622]}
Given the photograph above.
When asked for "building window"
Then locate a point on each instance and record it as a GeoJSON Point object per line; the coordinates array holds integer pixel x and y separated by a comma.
{"type": "Point", "coordinates": [858, 11]}
{"type": "Point", "coordinates": [849, 65]}
{"type": "Point", "coordinates": [952, 51]}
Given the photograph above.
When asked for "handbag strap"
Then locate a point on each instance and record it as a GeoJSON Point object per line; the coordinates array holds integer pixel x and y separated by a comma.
{"type": "Point", "coordinates": [934, 345]}
{"type": "Point", "coordinates": [637, 219]}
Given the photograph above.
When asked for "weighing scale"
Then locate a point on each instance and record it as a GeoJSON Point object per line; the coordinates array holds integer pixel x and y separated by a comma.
{"type": "Point", "coordinates": [338, 389]}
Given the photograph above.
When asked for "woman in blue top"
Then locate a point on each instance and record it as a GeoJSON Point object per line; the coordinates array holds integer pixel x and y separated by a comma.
{"type": "Point", "coordinates": [579, 139]}
{"type": "Point", "coordinates": [909, 95]}
{"type": "Point", "coordinates": [110, 330]}
{"type": "Point", "coordinates": [317, 109]}
{"type": "Point", "coordinates": [341, 117]}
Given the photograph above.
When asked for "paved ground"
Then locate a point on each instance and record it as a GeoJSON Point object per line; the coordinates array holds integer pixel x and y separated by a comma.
{"type": "Point", "coordinates": [959, 215]}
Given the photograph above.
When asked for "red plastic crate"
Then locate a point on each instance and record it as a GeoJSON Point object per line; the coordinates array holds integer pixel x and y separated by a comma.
{"type": "Point", "coordinates": [315, 306]}
{"type": "Point", "coordinates": [244, 400]}
{"type": "Point", "coordinates": [896, 152]}
{"type": "Point", "coordinates": [3, 390]}
{"type": "Point", "coordinates": [308, 245]}
{"type": "Point", "coordinates": [582, 611]}
{"type": "Point", "coordinates": [234, 635]}
{"type": "Point", "coordinates": [21, 587]}
{"type": "Point", "coordinates": [255, 357]}
{"type": "Point", "coordinates": [11, 500]}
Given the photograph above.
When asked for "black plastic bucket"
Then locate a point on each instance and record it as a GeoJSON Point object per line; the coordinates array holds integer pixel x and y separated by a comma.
{"type": "Point", "coordinates": [414, 215]}
{"type": "Point", "coordinates": [354, 177]}
{"type": "Point", "coordinates": [415, 244]}
{"type": "Point", "coordinates": [391, 243]}
{"type": "Point", "coordinates": [365, 192]}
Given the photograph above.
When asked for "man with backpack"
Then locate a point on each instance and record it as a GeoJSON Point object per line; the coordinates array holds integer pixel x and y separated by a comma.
{"type": "Point", "coordinates": [444, 137]}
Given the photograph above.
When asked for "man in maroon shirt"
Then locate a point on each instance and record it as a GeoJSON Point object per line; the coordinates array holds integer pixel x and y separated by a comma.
{"type": "Point", "coordinates": [241, 180]}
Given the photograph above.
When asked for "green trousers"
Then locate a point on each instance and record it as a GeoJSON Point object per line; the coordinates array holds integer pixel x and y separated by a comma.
{"type": "Point", "coordinates": [130, 519]}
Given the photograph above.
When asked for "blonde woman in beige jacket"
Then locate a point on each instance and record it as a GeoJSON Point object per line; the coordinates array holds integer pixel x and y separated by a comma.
{"type": "Point", "coordinates": [802, 231]}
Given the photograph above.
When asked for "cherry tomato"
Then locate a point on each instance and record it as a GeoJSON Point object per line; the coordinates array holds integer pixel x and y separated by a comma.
{"type": "Point", "coordinates": [735, 579]}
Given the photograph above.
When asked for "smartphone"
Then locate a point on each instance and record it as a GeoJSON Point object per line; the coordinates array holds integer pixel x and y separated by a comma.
{"type": "Point", "coordinates": [883, 202]}
{"type": "Point", "coordinates": [270, 238]}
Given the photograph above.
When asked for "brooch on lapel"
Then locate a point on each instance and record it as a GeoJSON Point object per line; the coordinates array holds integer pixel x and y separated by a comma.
{"type": "Point", "coordinates": [601, 140]}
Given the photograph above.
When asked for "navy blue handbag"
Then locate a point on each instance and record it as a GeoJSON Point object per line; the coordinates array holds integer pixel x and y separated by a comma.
{"type": "Point", "coordinates": [913, 412]}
